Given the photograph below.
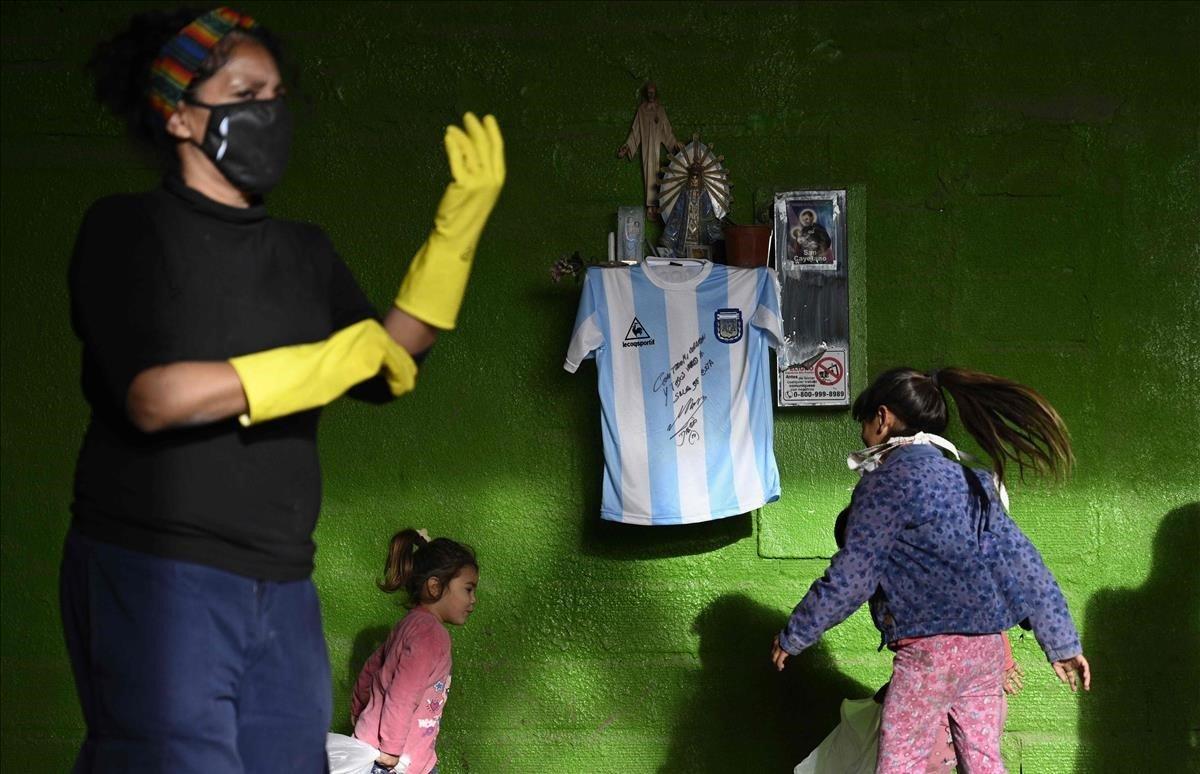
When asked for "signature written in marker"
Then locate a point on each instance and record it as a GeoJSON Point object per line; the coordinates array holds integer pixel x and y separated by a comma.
{"type": "Point", "coordinates": [683, 428]}
{"type": "Point", "coordinates": [662, 383]}
{"type": "Point", "coordinates": [680, 387]}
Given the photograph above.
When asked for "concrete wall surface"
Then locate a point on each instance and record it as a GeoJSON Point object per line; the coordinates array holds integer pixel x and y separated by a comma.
{"type": "Point", "coordinates": [1024, 187]}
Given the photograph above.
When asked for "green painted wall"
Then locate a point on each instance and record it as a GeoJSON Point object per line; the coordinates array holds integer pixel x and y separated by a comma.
{"type": "Point", "coordinates": [1024, 188]}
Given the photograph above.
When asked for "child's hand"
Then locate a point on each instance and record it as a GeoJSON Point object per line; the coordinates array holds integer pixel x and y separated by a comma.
{"type": "Point", "coordinates": [390, 764]}
{"type": "Point", "coordinates": [778, 654]}
{"type": "Point", "coordinates": [1067, 669]}
{"type": "Point", "coordinates": [1012, 679]}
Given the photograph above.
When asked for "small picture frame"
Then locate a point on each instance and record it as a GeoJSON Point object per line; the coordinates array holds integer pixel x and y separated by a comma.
{"type": "Point", "coordinates": [809, 231]}
{"type": "Point", "coordinates": [631, 230]}
{"type": "Point", "coordinates": [697, 252]}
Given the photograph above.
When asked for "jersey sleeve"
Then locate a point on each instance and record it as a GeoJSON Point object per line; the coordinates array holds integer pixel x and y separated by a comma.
{"type": "Point", "coordinates": [766, 315]}
{"type": "Point", "coordinates": [588, 335]}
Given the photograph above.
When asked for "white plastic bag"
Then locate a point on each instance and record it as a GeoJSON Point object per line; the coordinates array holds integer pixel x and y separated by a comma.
{"type": "Point", "coordinates": [348, 755]}
{"type": "Point", "coordinates": [852, 747]}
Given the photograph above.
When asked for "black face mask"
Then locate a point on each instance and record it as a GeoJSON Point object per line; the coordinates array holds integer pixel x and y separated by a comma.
{"type": "Point", "coordinates": [249, 142]}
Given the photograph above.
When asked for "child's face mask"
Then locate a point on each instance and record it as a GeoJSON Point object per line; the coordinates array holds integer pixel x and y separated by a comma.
{"type": "Point", "coordinates": [870, 458]}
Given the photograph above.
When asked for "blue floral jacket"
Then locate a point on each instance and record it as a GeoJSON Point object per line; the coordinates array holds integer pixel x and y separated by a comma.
{"type": "Point", "coordinates": [935, 553]}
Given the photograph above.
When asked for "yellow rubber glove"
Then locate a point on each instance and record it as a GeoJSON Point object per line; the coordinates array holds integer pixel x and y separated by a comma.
{"type": "Point", "coordinates": [285, 380]}
{"type": "Point", "coordinates": [433, 289]}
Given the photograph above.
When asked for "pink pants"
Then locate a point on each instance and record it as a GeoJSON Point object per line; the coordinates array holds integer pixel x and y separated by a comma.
{"type": "Point", "coordinates": [945, 675]}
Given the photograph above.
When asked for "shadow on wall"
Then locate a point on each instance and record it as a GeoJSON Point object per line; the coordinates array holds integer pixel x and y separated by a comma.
{"type": "Point", "coordinates": [610, 539]}
{"type": "Point", "coordinates": [364, 645]}
{"type": "Point", "coordinates": [743, 715]}
{"type": "Point", "coordinates": [1143, 712]}
{"type": "Point", "coordinates": [629, 541]}
{"type": "Point", "coordinates": [613, 540]}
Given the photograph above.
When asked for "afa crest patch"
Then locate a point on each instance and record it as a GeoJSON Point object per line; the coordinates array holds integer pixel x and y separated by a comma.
{"type": "Point", "coordinates": [727, 325]}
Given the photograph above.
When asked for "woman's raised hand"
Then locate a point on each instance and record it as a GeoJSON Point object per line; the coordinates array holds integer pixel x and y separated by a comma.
{"type": "Point", "coordinates": [476, 156]}
{"type": "Point", "coordinates": [433, 289]}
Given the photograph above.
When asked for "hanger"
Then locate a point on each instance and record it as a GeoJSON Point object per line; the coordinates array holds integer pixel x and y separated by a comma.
{"type": "Point", "coordinates": [652, 260]}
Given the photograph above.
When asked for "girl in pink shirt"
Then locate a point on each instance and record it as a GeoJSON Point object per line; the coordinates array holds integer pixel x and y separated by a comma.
{"type": "Point", "coordinates": [398, 699]}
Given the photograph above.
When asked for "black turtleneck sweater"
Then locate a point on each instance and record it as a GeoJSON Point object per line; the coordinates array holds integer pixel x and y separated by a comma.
{"type": "Point", "coordinates": [169, 276]}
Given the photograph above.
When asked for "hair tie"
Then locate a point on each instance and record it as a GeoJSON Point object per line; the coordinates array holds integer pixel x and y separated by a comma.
{"type": "Point", "coordinates": [424, 535]}
{"type": "Point", "coordinates": [933, 377]}
{"type": "Point", "coordinates": [181, 57]}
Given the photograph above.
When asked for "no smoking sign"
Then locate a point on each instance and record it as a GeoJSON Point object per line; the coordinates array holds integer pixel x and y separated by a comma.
{"type": "Point", "coordinates": [829, 370]}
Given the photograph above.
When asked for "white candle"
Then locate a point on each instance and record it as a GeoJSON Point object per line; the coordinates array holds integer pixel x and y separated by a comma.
{"type": "Point", "coordinates": [612, 246]}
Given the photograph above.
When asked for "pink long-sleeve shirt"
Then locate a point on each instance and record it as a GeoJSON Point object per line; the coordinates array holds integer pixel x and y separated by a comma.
{"type": "Point", "coordinates": [401, 690]}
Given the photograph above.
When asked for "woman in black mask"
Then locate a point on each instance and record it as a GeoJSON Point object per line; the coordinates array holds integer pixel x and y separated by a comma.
{"type": "Point", "coordinates": [212, 335]}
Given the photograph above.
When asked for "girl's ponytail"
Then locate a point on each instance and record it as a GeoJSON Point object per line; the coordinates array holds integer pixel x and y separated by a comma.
{"type": "Point", "coordinates": [398, 569]}
{"type": "Point", "coordinates": [1011, 422]}
{"type": "Point", "coordinates": [413, 560]}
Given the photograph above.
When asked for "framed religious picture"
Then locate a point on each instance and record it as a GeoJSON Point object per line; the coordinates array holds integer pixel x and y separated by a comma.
{"type": "Point", "coordinates": [812, 261]}
{"type": "Point", "coordinates": [807, 224]}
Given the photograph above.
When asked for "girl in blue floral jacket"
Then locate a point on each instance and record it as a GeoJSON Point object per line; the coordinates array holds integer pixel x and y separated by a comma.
{"type": "Point", "coordinates": [930, 544]}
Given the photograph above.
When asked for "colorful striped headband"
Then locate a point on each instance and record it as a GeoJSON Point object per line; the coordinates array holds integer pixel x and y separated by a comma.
{"type": "Point", "coordinates": [177, 63]}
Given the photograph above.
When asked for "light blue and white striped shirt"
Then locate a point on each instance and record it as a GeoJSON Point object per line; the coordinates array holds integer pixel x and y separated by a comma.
{"type": "Point", "coordinates": [685, 388]}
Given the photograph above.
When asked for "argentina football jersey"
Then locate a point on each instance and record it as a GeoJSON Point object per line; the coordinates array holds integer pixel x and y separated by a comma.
{"type": "Point", "coordinates": [685, 388]}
